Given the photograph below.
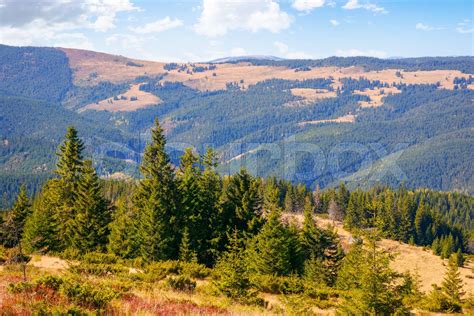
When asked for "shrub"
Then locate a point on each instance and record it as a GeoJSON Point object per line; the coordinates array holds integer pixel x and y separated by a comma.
{"type": "Point", "coordinates": [70, 254]}
{"type": "Point", "coordinates": [98, 269]}
{"type": "Point", "coordinates": [194, 270]}
{"type": "Point", "coordinates": [14, 256]}
{"type": "Point", "coordinates": [278, 284]}
{"type": "Point", "coordinates": [181, 283]}
{"type": "Point", "coordinates": [88, 295]}
{"type": "Point", "coordinates": [20, 287]}
{"type": "Point", "coordinates": [98, 257]}
{"type": "Point", "coordinates": [50, 281]}
{"type": "Point", "coordinates": [164, 267]}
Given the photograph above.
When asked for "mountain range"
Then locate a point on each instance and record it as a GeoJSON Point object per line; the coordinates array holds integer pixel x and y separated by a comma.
{"type": "Point", "coordinates": [360, 120]}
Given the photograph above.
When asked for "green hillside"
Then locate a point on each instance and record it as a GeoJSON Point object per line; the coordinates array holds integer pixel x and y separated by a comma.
{"type": "Point", "coordinates": [425, 131]}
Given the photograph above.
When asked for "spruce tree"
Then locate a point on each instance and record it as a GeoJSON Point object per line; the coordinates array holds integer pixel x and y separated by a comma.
{"type": "Point", "coordinates": [369, 281]}
{"type": "Point", "coordinates": [189, 176]}
{"type": "Point", "coordinates": [452, 287]}
{"type": "Point", "coordinates": [68, 168]}
{"type": "Point", "coordinates": [186, 253]}
{"type": "Point", "coordinates": [156, 202]}
{"type": "Point", "coordinates": [12, 228]}
{"type": "Point", "coordinates": [213, 227]}
{"type": "Point", "coordinates": [311, 237]}
{"type": "Point", "coordinates": [242, 205]}
{"type": "Point", "coordinates": [42, 226]}
{"type": "Point", "coordinates": [231, 274]}
{"type": "Point", "coordinates": [21, 210]}
{"type": "Point", "coordinates": [332, 258]}
{"type": "Point", "coordinates": [92, 213]}
{"type": "Point", "coordinates": [271, 250]}
{"type": "Point", "coordinates": [123, 231]}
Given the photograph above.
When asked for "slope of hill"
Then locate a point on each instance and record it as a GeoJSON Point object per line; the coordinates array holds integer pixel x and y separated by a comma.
{"type": "Point", "coordinates": [315, 121]}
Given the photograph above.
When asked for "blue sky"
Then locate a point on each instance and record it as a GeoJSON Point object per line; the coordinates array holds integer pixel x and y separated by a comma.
{"type": "Point", "coordinates": [200, 30]}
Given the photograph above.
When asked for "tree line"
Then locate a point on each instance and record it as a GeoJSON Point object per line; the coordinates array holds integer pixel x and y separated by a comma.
{"type": "Point", "coordinates": [236, 225]}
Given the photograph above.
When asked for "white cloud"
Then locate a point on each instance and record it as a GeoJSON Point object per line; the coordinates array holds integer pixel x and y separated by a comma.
{"type": "Point", "coordinates": [238, 51]}
{"type": "Point", "coordinates": [220, 16]}
{"type": "Point", "coordinates": [158, 26]}
{"type": "Point", "coordinates": [465, 27]}
{"type": "Point", "coordinates": [57, 22]}
{"type": "Point", "coordinates": [426, 27]}
{"type": "Point", "coordinates": [355, 52]}
{"type": "Point", "coordinates": [354, 4]}
{"type": "Point", "coordinates": [307, 5]}
{"type": "Point", "coordinates": [284, 51]}
{"type": "Point", "coordinates": [334, 22]}
{"type": "Point", "coordinates": [423, 27]}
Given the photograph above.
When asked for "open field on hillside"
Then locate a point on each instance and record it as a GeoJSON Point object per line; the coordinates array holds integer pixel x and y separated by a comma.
{"type": "Point", "coordinates": [376, 96]}
{"type": "Point", "coordinates": [125, 102]}
{"type": "Point", "coordinates": [245, 74]}
{"type": "Point", "coordinates": [309, 95]}
{"type": "Point", "coordinates": [414, 259]}
{"type": "Point", "coordinates": [90, 68]}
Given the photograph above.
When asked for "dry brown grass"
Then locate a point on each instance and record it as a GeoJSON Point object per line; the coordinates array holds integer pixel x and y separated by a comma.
{"type": "Point", "coordinates": [376, 96]}
{"type": "Point", "coordinates": [348, 118]}
{"type": "Point", "coordinates": [414, 259]}
{"type": "Point", "coordinates": [107, 67]}
{"type": "Point", "coordinates": [246, 74]}
{"type": "Point", "coordinates": [145, 99]}
{"type": "Point", "coordinates": [115, 69]}
{"type": "Point", "coordinates": [309, 96]}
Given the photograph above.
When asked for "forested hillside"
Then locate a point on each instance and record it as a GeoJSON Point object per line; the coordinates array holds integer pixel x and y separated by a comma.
{"type": "Point", "coordinates": [239, 235]}
{"type": "Point", "coordinates": [360, 120]}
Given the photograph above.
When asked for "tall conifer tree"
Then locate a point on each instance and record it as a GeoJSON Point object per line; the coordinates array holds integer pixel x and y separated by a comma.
{"type": "Point", "coordinates": [92, 213]}
{"type": "Point", "coordinates": [156, 202]}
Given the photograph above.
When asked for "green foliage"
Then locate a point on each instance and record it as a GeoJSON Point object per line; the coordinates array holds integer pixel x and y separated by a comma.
{"type": "Point", "coordinates": [156, 203]}
{"type": "Point", "coordinates": [278, 284]}
{"type": "Point", "coordinates": [370, 284]}
{"type": "Point", "coordinates": [13, 227]}
{"type": "Point", "coordinates": [89, 227]}
{"type": "Point", "coordinates": [452, 287]}
{"type": "Point", "coordinates": [98, 257]}
{"type": "Point", "coordinates": [123, 237]}
{"type": "Point", "coordinates": [88, 295]}
{"type": "Point", "coordinates": [181, 283]}
{"type": "Point", "coordinates": [42, 227]}
{"type": "Point", "coordinates": [275, 249]}
{"type": "Point", "coordinates": [33, 72]}
{"type": "Point", "coordinates": [231, 277]}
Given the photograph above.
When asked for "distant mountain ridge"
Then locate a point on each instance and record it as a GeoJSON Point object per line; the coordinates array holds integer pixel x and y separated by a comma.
{"type": "Point", "coordinates": [287, 118]}
{"type": "Point", "coordinates": [233, 59]}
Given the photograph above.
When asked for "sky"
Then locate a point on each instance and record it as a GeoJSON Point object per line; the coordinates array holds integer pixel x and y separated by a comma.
{"type": "Point", "coordinates": [203, 30]}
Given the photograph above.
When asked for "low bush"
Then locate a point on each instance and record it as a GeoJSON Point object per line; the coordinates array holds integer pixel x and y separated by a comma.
{"type": "Point", "coordinates": [88, 295]}
{"type": "Point", "coordinates": [181, 283]}
{"type": "Point", "coordinates": [100, 258]}
{"type": "Point", "coordinates": [164, 267]}
{"type": "Point", "coordinates": [194, 270]}
{"type": "Point", "coordinates": [20, 287]}
{"type": "Point", "coordinates": [50, 281]}
{"type": "Point", "coordinates": [98, 269]}
{"type": "Point", "coordinates": [14, 256]}
{"type": "Point", "coordinates": [277, 284]}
